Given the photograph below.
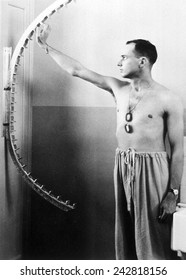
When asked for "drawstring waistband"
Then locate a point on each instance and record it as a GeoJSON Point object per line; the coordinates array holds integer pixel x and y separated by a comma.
{"type": "Point", "coordinates": [129, 160]}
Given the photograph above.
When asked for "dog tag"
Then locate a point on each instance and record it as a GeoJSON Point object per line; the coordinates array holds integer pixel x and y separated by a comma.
{"type": "Point", "coordinates": [128, 128]}
{"type": "Point", "coordinates": [128, 117]}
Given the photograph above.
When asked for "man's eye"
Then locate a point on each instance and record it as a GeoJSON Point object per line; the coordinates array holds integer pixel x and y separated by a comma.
{"type": "Point", "coordinates": [124, 57]}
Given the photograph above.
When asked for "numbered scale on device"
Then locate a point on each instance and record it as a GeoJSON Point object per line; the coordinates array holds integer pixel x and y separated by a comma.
{"type": "Point", "coordinates": [9, 124]}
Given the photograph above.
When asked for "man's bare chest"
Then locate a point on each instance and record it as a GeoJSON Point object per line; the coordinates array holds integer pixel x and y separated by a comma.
{"type": "Point", "coordinates": [147, 111]}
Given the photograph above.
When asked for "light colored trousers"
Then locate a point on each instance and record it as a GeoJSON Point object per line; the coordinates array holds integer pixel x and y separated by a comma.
{"type": "Point", "coordinates": [141, 182]}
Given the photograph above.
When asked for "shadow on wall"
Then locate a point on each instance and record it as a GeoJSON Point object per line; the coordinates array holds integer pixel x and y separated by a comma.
{"type": "Point", "coordinates": [73, 151]}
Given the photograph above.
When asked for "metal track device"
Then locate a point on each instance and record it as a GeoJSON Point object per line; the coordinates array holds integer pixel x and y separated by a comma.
{"type": "Point", "coordinates": [9, 127]}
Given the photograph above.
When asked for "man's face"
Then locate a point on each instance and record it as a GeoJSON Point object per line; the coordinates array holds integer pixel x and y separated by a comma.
{"type": "Point", "coordinates": [129, 62]}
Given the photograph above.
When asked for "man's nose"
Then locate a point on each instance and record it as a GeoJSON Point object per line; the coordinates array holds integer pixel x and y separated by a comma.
{"type": "Point", "coordinates": [119, 63]}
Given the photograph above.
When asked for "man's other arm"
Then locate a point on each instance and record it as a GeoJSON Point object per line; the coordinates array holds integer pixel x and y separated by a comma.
{"type": "Point", "coordinates": [175, 128]}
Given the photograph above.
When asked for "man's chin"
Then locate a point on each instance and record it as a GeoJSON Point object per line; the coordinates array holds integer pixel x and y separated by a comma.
{"type": "Point", "coordinates": [124, 76]}
{"type": "Point", "coordinates": [127, 76]}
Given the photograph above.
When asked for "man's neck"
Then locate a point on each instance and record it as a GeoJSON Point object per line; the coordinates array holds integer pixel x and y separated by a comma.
{"type": "Point", "coordinates": [142, 83]}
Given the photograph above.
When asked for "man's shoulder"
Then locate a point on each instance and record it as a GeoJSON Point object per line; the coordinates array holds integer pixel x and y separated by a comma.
{"type": "Point", "coordinates": [120, 83]}
{"type": "Point", "coordinates": [162, 90]}
{"type": "Point", "coordinates": [166, 94]}
{"type": "Point", "coordinates": [171, 99]}
{"type": "Point", "coordinates": [119, 87]}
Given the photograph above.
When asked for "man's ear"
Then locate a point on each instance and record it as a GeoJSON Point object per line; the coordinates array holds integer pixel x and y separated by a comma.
{"type": "Point", "coordinates": [142, 61]}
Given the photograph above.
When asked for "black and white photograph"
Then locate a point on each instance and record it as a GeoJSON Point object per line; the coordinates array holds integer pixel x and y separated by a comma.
{"type": "Point", "coordinates": [93, 125]}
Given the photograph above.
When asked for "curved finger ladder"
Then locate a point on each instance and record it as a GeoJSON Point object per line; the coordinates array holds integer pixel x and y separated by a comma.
{"type": "Point", "coordinates": [10, 135]}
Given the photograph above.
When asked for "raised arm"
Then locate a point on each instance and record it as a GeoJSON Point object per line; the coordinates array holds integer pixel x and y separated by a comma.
{"type": "Point", "coordinates": [175, 133]}
{"type": "Point", "coordinates": [72, 66]}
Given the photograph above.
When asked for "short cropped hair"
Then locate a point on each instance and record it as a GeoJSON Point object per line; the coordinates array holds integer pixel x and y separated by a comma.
{"type": "Point", "coordinates": [145, 48]}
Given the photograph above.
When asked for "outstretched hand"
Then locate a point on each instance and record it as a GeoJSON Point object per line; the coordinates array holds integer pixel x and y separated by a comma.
{"type": "Point", "coordinates": [167, 207]}
{"type": "Point", "coordinates": [42, 34]}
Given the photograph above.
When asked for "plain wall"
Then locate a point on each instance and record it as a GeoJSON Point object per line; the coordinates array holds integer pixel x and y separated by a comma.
{"type": "Point", "coordinates": [74, 122]}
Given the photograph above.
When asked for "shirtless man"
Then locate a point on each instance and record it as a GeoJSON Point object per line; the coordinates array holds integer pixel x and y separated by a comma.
{"type": "Point", "coordinates": [146, 180]}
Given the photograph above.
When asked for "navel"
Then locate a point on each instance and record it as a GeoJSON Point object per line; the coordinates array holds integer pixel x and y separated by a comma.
{"type": "Point", "coordinates": [150, 116]}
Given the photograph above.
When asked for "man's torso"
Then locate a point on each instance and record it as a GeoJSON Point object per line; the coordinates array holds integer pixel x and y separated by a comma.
{"type": "Point", "coordinates": [148, 118]}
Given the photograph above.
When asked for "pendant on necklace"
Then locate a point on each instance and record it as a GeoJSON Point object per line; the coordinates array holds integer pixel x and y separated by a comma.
{"type": "Point", "coordinates": [128, 128]}
{"type": "Point", "coordinates": [128, 117]}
